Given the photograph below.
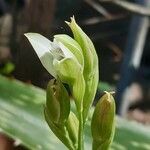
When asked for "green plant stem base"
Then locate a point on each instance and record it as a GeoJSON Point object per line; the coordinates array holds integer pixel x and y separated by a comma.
{"type": "Point", "coordinates": [22, 118]}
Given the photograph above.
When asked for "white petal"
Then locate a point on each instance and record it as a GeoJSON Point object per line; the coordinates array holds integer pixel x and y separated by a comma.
{"type": "Point", "coordinates": [47, 62]}
{"type": "Point", "coordinates": [42, 47]}
{"type": "Point", "coordinates": [40, 44]}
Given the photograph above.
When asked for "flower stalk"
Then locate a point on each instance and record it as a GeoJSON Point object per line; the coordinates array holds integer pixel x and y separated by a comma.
{"type": "Point", "coordinates": [73, 61]}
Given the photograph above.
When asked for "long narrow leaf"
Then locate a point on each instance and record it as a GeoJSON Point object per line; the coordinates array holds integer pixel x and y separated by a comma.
{"type": "Point", "coordinates": [22, 118]}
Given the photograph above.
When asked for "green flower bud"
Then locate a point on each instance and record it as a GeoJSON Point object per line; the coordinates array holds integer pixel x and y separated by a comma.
{"type": "Point", "coordinates": [57, 102]}
{"type": "Point", "coordinates": [57, 112]}
{"type": "Point", "coordinates": [102, 125]}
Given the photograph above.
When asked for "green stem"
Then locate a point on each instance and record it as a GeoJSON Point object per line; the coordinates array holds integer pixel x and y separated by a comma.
{"type": "Point", "coordinates": [81, 130]}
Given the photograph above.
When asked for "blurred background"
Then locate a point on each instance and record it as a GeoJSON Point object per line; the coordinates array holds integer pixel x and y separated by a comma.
{"type": "Point", "coordinates": [120, 32]}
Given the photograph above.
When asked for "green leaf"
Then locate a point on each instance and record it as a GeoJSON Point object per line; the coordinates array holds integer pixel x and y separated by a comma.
{"type": "Point", "coordinates": [8, 68]}
{"type": "Point", "coordinates": [22, 115]}
{"type": "Point", "coordinates": [22, 118]}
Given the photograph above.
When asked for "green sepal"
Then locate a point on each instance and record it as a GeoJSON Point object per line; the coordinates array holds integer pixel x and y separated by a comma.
{"type": "Point", "coordinates": [103, 122]}
{"type": "Point", "coordinates": [91, 73]}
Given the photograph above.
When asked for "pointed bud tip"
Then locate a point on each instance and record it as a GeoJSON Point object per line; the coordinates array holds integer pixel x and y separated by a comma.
{"type": "Point", "coordinates": [112, 92]}
{"type": "Point", "coordinates": [109, 95]}
{"type": "Point", "coordinates": [67, 22]}
{"type": "Point", "coordinates": [73, 21]}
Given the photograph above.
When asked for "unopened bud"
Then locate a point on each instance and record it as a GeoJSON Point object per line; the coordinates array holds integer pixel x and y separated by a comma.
{"type": "Point", "coordinates": [58, 102]}
{"type": "Point", "coordinates": [102, 125]}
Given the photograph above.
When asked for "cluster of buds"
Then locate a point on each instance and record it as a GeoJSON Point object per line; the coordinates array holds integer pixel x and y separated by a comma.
{"type": "Point", "coordinates": [73, 61]}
